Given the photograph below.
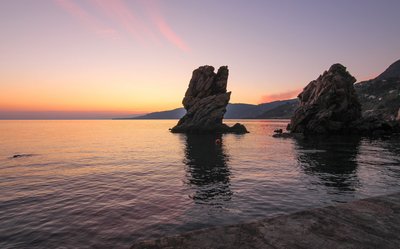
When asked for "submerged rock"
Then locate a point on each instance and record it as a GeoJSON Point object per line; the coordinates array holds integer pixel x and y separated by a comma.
{"type": "Point", "coordinates": [205, 102]}
{"type": "Point", "coordinates": [328, 105]}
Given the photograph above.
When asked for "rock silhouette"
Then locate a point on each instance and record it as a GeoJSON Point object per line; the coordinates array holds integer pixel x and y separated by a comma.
{"type": "Point", "coordinates": [205, 102]}
{"type": "Point", "coordinates": [328, 104]}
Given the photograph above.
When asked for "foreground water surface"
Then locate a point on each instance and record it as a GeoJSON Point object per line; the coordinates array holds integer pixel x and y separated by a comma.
{"type": "Point", "coordinates": [107, 184]}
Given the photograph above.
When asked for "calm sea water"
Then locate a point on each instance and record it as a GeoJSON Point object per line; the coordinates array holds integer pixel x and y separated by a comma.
{"type": "Point", "coordinates": [107, 184]}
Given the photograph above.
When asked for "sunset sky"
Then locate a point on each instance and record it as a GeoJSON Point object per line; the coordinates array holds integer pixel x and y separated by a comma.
{"type": "Point", "coordinates": [110, 58]}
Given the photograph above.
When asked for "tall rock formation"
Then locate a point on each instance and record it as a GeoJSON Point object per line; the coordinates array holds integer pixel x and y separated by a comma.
{"type": "Point", "coordinates": [205, 102]}
{"type": "Point", "coordinates": [328, 104]}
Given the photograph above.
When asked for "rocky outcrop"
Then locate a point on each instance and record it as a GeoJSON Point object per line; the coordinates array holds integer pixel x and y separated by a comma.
{"type": "Point", "coordinates": [328, 105]}
{"type": "Point", "coordinates": [205, 102]}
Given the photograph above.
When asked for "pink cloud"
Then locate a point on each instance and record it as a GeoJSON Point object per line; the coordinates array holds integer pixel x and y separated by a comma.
{"type": "Point", "coordinates": [170, 35]}
{"type": "Point", "coordinates": [118, 11]}
{"type": "Point", "coordinates": [280, 96]}
{"type": "Point", "coordinates": [163, 26]}
{"type": "Point", "coordinates": [86, 19]}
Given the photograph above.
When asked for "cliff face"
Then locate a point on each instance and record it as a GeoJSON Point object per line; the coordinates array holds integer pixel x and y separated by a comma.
{"type": "Point", "coordinates": [328, 104]}
{"type": "Point", "coordinates": [205, 102]}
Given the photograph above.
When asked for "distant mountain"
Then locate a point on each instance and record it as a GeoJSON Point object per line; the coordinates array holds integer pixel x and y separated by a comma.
{"type": "Point", "coordinates": [262, 108]}
{"type": "Point", "coordinates": [171, 114]}
{"type": "Point", "coordinates": [381, 96]}
{"type": "Point", "coordinates": [233, 111]}
{"type": "Point", "coordinates": [284, 111]}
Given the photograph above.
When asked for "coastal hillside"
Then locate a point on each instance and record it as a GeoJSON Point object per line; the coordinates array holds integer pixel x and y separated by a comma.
{"type": "Point", "coordinates": [381, 96]}
{"type": "Point", "coordinates": [284, 111]}
{"type": "Point", "coordinates": [171, 114]}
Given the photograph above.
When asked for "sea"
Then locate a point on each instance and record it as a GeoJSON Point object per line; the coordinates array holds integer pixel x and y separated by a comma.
{"type": "Point", "coordinates": [112, 183]}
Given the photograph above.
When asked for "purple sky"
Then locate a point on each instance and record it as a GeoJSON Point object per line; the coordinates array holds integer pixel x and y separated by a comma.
{"type": "Point", "coordinates": [119, 57]}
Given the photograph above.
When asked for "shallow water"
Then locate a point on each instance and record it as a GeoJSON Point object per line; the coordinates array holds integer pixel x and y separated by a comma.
{"type": "Point", "coordinates": [107, 184]}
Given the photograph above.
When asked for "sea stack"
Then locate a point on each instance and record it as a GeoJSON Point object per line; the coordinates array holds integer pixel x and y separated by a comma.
{"type": "Point", "coordinates": [328, 105]}
{"type": "Point", "coordinates": [205, 102]}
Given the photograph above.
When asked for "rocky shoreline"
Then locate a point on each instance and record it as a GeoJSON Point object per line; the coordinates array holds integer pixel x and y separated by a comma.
{"type": "Point", "coordinates": [367, 223]}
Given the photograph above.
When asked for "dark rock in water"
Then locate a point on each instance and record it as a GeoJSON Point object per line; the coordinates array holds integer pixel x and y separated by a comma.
{"type": "Point", "coordinates": [205, 102]}
{"type": "Point", "coordinates": [21, 155]}
{"type": "Point", "coordinates": [236, 128]}
{"type": "Point", "coordinates": [289, 135]}
{"type": "Point", "coordinates": [328, 105]}
{"type": "Point", "coordinates": [279, 131]}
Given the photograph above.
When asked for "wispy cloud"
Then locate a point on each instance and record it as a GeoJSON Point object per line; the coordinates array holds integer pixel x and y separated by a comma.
{"type": "Point", "coordinates": [87, 19]}
{"type": "Point", "coordinates": [119, 12]}
{"type": "Point", "coordinates": [145, 27]}
{"type": "Point", "coordinates": [162, 25]}
{"type": "Point", "coordinates": [280, 96]}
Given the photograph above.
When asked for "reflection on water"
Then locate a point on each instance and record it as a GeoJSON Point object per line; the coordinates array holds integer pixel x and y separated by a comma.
{"type": "Point", "coordinates": [106, 184]}
{"type": "Point", "coordinates": [332, 159]}
{"type": "Point", "coordinates": [207, 169]}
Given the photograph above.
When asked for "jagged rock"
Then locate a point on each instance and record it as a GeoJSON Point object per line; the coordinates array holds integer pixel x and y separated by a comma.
{"type": "Point", "coordinates": [328, 105]}
{"type": "Point", "coordinates": [205, 102]}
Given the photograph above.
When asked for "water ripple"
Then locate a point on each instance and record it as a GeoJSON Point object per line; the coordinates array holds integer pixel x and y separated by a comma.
{"type": "Point", "coordinates": [106, 184]}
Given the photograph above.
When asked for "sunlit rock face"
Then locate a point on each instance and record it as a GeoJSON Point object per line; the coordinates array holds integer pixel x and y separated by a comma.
{"type": "Point", "coordinates": [205, 102]}
{"type": "Point", "coordinates": [328, 104]}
